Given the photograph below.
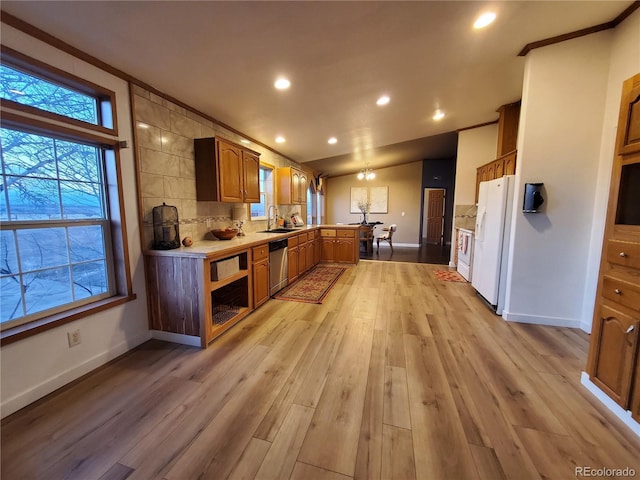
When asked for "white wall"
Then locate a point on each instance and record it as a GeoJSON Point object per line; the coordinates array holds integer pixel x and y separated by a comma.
{"type": "Point", "coordinates": [623, 64]}
{"type": "Point", "coordinates": [40, 364]}
{"type": "Point", "coordinates": [476, 147]}
{"type": "Point", "coordinates": [561, 124]}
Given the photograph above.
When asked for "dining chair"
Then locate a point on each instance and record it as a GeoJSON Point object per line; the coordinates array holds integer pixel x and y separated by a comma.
{"type": "Point", "coordinates": [387, 236]}
{"type": "Point", "coordinates": [366, 238]}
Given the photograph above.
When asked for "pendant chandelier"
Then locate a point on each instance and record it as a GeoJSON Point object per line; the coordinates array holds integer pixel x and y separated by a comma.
{"type": "Point", "coordinates": [366, 174]}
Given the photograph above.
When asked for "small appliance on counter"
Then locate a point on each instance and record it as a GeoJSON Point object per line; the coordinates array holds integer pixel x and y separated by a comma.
{"type": "Point", "coordinates": [296, 220]}
{"type": "Point", "coordinates": [166, 234]}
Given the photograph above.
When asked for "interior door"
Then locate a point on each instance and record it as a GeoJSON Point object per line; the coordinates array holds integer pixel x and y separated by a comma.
{"type": "Point", "coordinates": [435, 216]}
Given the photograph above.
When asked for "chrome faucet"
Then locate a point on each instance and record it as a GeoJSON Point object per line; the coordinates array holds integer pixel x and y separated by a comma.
{"type": "Point", "coordinates": [275, 215]}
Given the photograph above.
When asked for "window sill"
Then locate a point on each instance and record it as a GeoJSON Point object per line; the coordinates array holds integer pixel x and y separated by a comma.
{"type": "Point", "coordinates": [37, 326]}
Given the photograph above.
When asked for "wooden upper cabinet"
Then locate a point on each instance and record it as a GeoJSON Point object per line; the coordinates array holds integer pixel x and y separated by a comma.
{"type": "Point", "coordinates": [230, 177]}
{"type": "Point", "coordinates": [628, 140]}
{"type": "Point", "coordinates": [251, 168]}
{"type": "Point", "coordinates": [292, 186]}
{"type": "Point", "coordinates": [226, 172]}
{"type": "Point", "coordinates": [508, 128]}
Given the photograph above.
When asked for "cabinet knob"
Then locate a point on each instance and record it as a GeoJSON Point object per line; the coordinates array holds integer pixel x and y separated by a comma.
{"type": "Point", "coordinates": [622, 254]}
{"type": "Point", "coordinates": [617, 291]}
{"type": "Point", "coordinates": [630, 329]}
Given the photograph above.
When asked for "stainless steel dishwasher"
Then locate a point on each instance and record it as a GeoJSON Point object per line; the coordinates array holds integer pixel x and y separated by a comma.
{"type": "Point", "coordinates": [278, 265]}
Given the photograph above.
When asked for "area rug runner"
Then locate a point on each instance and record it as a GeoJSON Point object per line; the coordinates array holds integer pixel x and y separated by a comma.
{"type": "Point", "coordinates": [448, 276]}
{"type": "Point", "coordinates": [314, 286]}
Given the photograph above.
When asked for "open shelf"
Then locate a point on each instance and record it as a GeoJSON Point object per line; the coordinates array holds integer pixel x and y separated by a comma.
{"type": "Point", "coordinates": [215, 285]}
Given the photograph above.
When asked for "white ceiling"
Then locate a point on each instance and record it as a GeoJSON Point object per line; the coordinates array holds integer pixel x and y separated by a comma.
{"type": "Point", "coordinates": [222, 58]}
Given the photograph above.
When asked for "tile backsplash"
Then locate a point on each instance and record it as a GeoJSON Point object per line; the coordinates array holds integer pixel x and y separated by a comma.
{"type": "Point", "coordinates": [465, 216]}
{"type": "Point", "coordinates": [165, 133]}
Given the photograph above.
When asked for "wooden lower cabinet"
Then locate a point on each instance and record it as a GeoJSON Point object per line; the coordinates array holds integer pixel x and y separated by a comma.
{"type": "Point", "coordinates": [302, 258]}
{"type": "Point", "coordinates": [260, 273]}
{"type": "Point", "coordinates": [635, 394]}
{"type": "Point", "coordinates": [617, 338]}
{"type": "Point", "coordinates": [292, 262]}
{"type": "Point", "coordinates": [339, 245]}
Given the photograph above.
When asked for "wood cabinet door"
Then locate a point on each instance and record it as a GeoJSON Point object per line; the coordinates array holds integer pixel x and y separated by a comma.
{"type": "Point", "coordinates": [251, 180]}
{"type": "Point", "coordinates": [295, 186]}
{"type": "Point", "coordinates": [260, 282]}
{"type": "Point", "coordinates": [510, 164]}
{"type": "Point", "coordinates": [628, 140]}
{"type": "Point", "coordinates": [499, 168]}
{"type": "Point", "coordinates": [344, 252]}
{"type": "Point", "coordinates": [635, 395]}
{"type": "Point", "coordinates": [230, 176]}
{"type": "Point", "coordinates": [615, 354]}
{"type": "Point", "coordinates": [317, 251]}
{"type": "Point", "coordinates": [491, 171]}
{"type": "Point", "coordinates": [310, 254]}
{"type": "Point", "coordinates": [292, 257]}
{"type": "Point", "coordinates": [302, 258]}
{"type": "Point", "coordinates": [328, 249]}
{"type": "Point", "coordinates": [302, 189]}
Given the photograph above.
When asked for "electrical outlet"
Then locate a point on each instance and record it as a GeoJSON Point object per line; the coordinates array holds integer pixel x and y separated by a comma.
{"type": "Point", "coordinates": [74, 338]}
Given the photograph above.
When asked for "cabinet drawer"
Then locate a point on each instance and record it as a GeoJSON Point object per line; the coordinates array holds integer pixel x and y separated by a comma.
{"type": "Point", "coordinates": [302, 238]}
{"type": "Point", "coordinates": [621, 292]}
{"type": "Point", "coordinates": [623, 253]}
{"type": "Point", "coordinates": [326, 232]}
{"type": "Point", "coordinates": [309, 236]}
{"type": "Point", "coordinates": [292, 241]}
{"type": "Point", "coordinates": [260, 252]}
{"type": "Point", "coordinates": [346, 233]}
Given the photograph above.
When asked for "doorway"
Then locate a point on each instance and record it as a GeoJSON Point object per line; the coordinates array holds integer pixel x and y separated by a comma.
{"type": "Point", "coordinates": [433, 216]}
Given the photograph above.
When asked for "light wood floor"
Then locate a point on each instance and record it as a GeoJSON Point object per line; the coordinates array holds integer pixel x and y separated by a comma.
{"type": "Point", "coordinates": [396, 376]}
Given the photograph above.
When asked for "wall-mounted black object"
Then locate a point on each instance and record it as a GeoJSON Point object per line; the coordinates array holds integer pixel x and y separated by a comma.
{"type": "Point", "coordinates": [532, 197]}
{"type": "Point", "coordinates": [166, 234]}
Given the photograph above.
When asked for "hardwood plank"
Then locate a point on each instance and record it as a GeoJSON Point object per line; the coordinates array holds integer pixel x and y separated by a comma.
{"type": "Point", "coordinates": [487, 398]}
{"type": "Point", "coordinates": [179, 429]}
{"type": "Point", "coordinates": [397, 453]}
{"type": "Point", "coordinates": [223, 440]}
{"type": "Point", "coordinates": [251, 459]}
{"type": "Point", "coordinates": [339, 412]}
{"type": "Point", "coordinates": [282, 455]}
{"type": "Point", "coordinates": [117, 472]}
{"type": "Point", "coordinates": [369, 457]}
{"type": "Point", "coordinates": [303, 471]}
{"type": "Point", "coordinates": [396, 398]}
{"type": "Point", "coordinates": [433, 408]}
{"type": "Point", "coordinates": [487, 463]}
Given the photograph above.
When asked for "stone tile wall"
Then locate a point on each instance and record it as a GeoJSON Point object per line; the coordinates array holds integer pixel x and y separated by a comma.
{"type": "Point", "coordinates": [465, 216]}
{"type": "Point", "coordinates": [165, 133]}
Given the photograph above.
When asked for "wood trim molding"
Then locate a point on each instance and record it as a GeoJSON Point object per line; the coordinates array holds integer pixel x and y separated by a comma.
{"type": "Point", "coordinates": [477, 126]}
{"type": "Point", "coordinates": [43, 36]}
{"type": "Point", "coordinates": [581, 33]}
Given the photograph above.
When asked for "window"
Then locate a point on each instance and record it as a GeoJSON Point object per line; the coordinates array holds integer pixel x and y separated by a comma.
{"type": "Point", "coordinates": [259, 210]}
{"type": "Point", "coordinates": [62, 247]}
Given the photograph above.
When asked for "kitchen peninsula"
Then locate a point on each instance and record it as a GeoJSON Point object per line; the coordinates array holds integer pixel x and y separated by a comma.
{"type": "Point", "coordinates": [197, 293]}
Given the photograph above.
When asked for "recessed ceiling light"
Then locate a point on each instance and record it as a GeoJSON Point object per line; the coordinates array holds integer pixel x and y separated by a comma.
{"type": "Point", "coordinates": [439, 115]}
{"type": "Point", "coordinates": [383, 100]}
{"type": "Point", "coordinates": [484, 20]}
{"type": "Point", "coordinates": [280, 139]}
{"type": "Point", "coordinates": [282, 83]}
{"type": "Point", "coordinates": [332, 140]}
{"type": "Point", "coordinates": [244, 140]}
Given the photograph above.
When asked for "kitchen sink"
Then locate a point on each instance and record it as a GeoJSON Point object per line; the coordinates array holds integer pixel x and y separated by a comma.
{"type": "Point", "coordinates": [278, 230]}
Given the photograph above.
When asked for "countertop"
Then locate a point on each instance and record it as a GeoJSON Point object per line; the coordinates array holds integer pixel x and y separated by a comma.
{"type": "Point", "coordinates": [210, 248]}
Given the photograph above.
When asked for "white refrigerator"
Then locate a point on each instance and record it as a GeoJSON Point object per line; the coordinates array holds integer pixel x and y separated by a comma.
{"type": "Point", "coordinates": [491, 246]}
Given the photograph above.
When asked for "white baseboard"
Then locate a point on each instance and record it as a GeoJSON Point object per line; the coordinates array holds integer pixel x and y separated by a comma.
{"type": "Point", "coordinates": [541, 320]}
{"type": "Point", "coordinates": [617, 410]}
{"type": "Point", "coordinates": [176, 338]}
{"type": "Point", "coordinates": [52, 384]}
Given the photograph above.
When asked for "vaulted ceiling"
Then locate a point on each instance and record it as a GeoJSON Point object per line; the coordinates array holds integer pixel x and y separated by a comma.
{"type": "Point", "coordinates": [222, 58]}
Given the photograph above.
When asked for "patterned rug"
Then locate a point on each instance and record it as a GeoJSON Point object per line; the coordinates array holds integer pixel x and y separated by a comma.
{"type": "Point", "coordinates": [448, 276]}
{"type": "Point", "coordinates": [314, 286]}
